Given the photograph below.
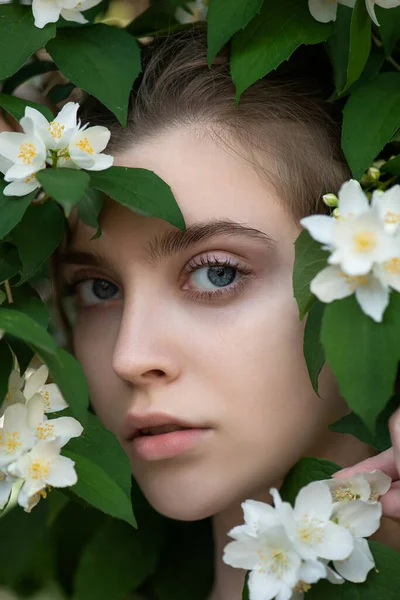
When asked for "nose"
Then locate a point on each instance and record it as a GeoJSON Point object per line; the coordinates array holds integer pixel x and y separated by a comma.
{"type": "Point", "coordinates": [146, 350]}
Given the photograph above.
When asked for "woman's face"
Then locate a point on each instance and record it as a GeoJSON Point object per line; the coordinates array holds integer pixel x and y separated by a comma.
{"type": "Point", "coordinates": [198, 327]}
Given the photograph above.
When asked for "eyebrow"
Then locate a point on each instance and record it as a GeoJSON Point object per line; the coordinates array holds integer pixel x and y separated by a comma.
{"type": "Point", "coordinates": [176, 241]}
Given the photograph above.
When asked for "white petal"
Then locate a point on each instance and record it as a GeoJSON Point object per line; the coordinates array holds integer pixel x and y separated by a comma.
{"type": "Point", "coordinates": [259, 513]}
{"type": "Point", "coordinates": [362, 518]}
{"type": "Point", "coordinates": [331, 284]}
{"type": "Point", "coordinates": [333, 577]}
{"type": "Point", "coordinates": [370, 4]}
{"type": "Point", "coordinates": [54, 400]}
{"type": "Point", "coordinates": [35, 410]}
{"type": "Point", "coordinates": [320, 227]}
{"type": "Point", "coordinates": [20, 172]}
{"type": "Point", "coordinates": [68, 115]}
{"type": "Point", "coordinates": [65, 428]}
{"type": "Point", "coordinates": [315, 501]}
{"type": "Point", "coordinates": [337, 543]}
{"type": "Point", "coordinates": [34, 116]}
{"type": "Point", "coordinates": [101, 162]}
{"type": "Point", "coordinates": [379, 482]}
{"type": "Point", "coordinates": [241, 554]}
{"type": "Point", "coordinates": [62, 472]}
{"type": "Point", "coordinates": [358, 565]}
{"type": "Point", "coordinates": [349, 3]}
{"type": "Point", "coordinates": [45, 11]}
{"type": "Point", "coordinates": [36, 381]}
{"type": "Point", "coordinates": [323, 10]}
{"type": "Point", "coordinates": [5, 164]}
{"type": "Point", "coordinates": [345, 490]}
{"type": "Point", "coordinates": [352, 200]}
{"type": "Point", "coordinates": [27, 502]}
{"type": "Point", "coordinates": [388, 206]}
{"type": "Point", "coordinates": [262, 586]}
{"type": "Point", "coordinates": [73, 15]}
{"type": "Point", "coordinates": [312, 571]}
{"type": "Point", "coordinates": [20, 188]}
{"type": "Point", "coordinates": [5, 489]}
{"type": "Point", "coordinates": [373, 299]}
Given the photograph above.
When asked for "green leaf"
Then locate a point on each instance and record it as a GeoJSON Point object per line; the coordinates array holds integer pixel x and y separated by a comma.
{"type": "Point", "coordinates": [98, 489]}
{"type": "Point", "coordinates": [304, 472]}
{"type": "Point", "coordinates": [310, 260]}
{"type": "Point", "coordinates": [226, 17]}
{"type": "Point", "coordinates": [101, 60]}
{"type": "Point", "coordinates": [360, 42]}
{"type": "Point", "coordinates": [25, 328]}
{"type": "Point", "coordinates": [140, 190]}
{"type": "Point", "coordinates": [89, 207]}
{"type": "Point", "coordinates": [382, 582]}
{"type": "Point", "coordinates": [112, 564]}
{"type": "Point", "coordinates": [245, 593]}
{"type": "Point", "coordinates": [370, 119]}
{"type": "Point", "coordinates": [19, 38]}
{"type": "Point", "coordinates": [16, 107]}
{"type": "Point", "coordinates": [362, 354]}
{"type": "Point", "coordinates": [6, 365]}
{"type": "Point", "coordinates": [22, 351]}
{"type": "Point", "coordinates": [351, 424]}
{"type": "Point", "coordinates": [32, 306]}
{"type": "Point", "coordinates": [37, 236]}
{"type": "Point", "coordinates": [158, 16]}
{"type": "Point", "coordinates": [392, 166]}
{"type": "Point", "coordinates": [66, 186]}
{"type": "Point", "coordinates": [312, 348]}
{"type": "Point", "coordinates": [68, 374]}
{"type": "Point", "coordinates": [9, 261]}
{"type": "Point", "coordinates": [338, 46]}
{"type": "Point", "coordinates": [270, 38]}
{"type": "Point", "coordinates": [12, 209]}
{"type": "Point", "coordinates": [389, 29]}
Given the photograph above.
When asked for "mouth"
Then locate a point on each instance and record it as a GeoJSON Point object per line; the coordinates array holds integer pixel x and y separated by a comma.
{"type": "Point", "coordinates": [160, 430]}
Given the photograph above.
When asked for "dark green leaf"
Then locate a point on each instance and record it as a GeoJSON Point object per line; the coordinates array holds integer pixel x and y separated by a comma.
{"type": "Point", "coordinates": [389, 29]}
{"type": "Point", "coordinates": [19, 38]}
{"type": "Point", "coordinates": [245, 593]}
{"type": "Point", "coordinates": [351, 424]}
{"type": "Point", "coordinates": [31, 69]}
{"type": "Point", "coordinates": [370, 119]}
{"type": "Point", "coordinates": [37, 236]}
{"type": "Point", "coordinates": [12, 209]}
{"type": "Point", "coordinates": [60, 92]}
{"type": "Point", "coordinates": [338, 46]}
{"type": "Point", "coordinates": [16, 107]}
{"type": "Point", "coordinates": [89, 207]}
{"type": "Point", "coordinates": [270, 38]}
{"type": "Point", "coordinates": [303, 473]}
{"type": "Point", "coordinates": [102, 60]}
{"type": "Point", "coordinates": [310, 260]}
{"type": "Point", "coordinates": [313, 349]}
{"type": "Point", "coordinates": [66, 186]}
{"type": "Point", "coordinates": [362, 354]}
{"type": "Point", "coordinates": [98, 489]}
{"type": "Point", "coordinates": [392, 166]}
{"type": "Point", "coordinates": [22, 351]}
{"type": "Point", "coordinates": [32, 306]}
{"type": "Point", "coordinates": [9, 261]}
{"type": "Point", "coordinates": [226, 17]}
{"type": "Point", "coordinates": [140, 190]}
{"type": "Point", "coordinates": [112, 564]}
{"type": "Point", "coordinates": [382, 582]}
{"type": "Point", "coordinates": [24, 327]}
{"type": "Point", "coordinates": [6, 365]}
{"type": "Point", "coordinates": [360, 42]}
{"type": "Point", "coordinates": [158, 16]}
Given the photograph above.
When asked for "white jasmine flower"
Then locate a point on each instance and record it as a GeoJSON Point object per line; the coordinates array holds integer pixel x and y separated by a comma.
{"type": "Point", "coordinates": [383, 3]}
{"type": "Point", "coordinates": [309, 527]}
{"type": "Point", "coordinates": [379, 483]}
{"type": "Point", "coordinates": [42, 467]}
{"type": "Point", "coordinates": [54, 134]}
{"type": "Point", "coordinates": [16, 436]}
{"type": "Point", "coordinates": [14, 393]}
{"type": "Point", "coordinates": [325, 10]}
{"type": "Point", "coordinates": [86, 146]}
{"type": "Point", "coordinates": [199, 10]}
{"type": "Point", "coordinates": [387, 205]}
{"type": "Point", "coordinates": [61, 429]}
{"type": "Point", "coordinates": [360, 486]}
{"type": "Point", "coordinates": [36, 383]}
{"type": "Point", "coordinates": [6, 484]}
{"type": "Point", "coordinates": [49, 11]}
{"type": "Point", "coordinates": [25, 155]}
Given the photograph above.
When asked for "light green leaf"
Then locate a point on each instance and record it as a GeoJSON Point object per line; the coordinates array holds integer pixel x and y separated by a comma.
{"type": "Point", "coordinates": [270, 38]}
{"type": "Point", "coordinates": [16, 107]}
{"type": "Point", "coordinates": [98, 489]}
{"type": "Point", "coordinates": [9, 261]}
{"type": "Point", "coordinates": [360, 42]}
{"type": "Point", "coordinates": [19, 38]}
{"type": "Point", "coordinates": [389, 29]}
{"type": "Point", "coordinates": [6, 365]}
{"type": "Point", "coordinates": [100, 59]}
{"type": "Point", "coordinates": [362, 354]}
{"type": "Point", "coordinates": [37, 235]}
{"type": "Point", "coordinates": [140, 190]}
{"type": "Point", "coordinates": [370, 119]}
{"type": "Point", "coordinates": [66, 186]}
{"type": "Point", "coordinates": [89, 207]}
{"type": "Point", "coordinates": [310, 260]}
{"type": "Point", "coordinates": [382, 582]}
{"type": "Point", "coordinates": [312, 348]}
{"type": "Point", "coordinates": [25, 328]}
{"type": "Point", "coordinates": [307, 470]}
{"type": "Point", "coordinates": [226, 17]}
{"type": "Point", "coordinates": [12, 209]}
{"type": "Point", "coordinates": [112, 564]}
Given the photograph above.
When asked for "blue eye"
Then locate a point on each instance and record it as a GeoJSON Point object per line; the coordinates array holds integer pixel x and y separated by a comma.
{"type": "Point", "coordinates": [219, 276]}
{"type": "Point", "coordinates": [90, 290]}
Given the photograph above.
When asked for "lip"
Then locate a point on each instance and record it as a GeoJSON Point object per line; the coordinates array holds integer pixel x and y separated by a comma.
{"type": "Point", "coordinates": [136, 421]}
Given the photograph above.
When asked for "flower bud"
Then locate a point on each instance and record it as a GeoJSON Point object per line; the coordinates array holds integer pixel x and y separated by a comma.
{"type": "Point", "coordinates": [330, 200]}
{"type": "Point", "coordinates": [336, 213]}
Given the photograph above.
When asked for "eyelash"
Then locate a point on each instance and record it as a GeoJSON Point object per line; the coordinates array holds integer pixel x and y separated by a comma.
{"type": "Point", "coordinates": [191, 267]}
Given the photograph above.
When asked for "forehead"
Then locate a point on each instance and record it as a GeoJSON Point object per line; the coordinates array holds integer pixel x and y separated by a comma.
{"type": "Point", "coordinates": [210, 182]}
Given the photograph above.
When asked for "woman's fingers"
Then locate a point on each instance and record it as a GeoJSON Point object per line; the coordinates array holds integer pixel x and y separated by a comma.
{"type": "Point", "coordinates": [391, 501]}
{"type": "Point", "coordinates": [394, 427]}
{"type": "Point", "coordinates": [385, 461]}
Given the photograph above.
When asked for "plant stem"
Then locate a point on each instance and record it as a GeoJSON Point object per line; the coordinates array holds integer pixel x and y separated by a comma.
{"type": "Point", "coordinates": [8, 292]}
{"type": "Point", "coordinates": [390, 59]}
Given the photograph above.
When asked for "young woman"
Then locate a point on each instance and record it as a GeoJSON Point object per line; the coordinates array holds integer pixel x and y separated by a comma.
{"type": "Point", "coordinates": [199, 330]}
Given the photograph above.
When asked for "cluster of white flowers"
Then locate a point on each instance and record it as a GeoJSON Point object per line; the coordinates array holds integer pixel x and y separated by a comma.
{"type": "Point", "coordinates": [30, 443]}
{"type": "Point", "coordinates": [325, 10]}
{"type": "Point", "coordinates": [287, 549]}
{"type": "Point", "coordinates": [49, 11]}
{"type": "Point", "coordinates": [59, 143]}
{"type": "Point", "coordinates": [364, 241]}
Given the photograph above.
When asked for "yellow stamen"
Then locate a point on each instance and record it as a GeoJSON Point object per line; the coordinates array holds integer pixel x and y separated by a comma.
{"type": "Point", "coordinates": [27, 153]}
{"type": "Point", "coordinates": [46, 396]}
{"type": "Point", "coordinates": [343, 493]}
{"type": "Point", "coordinates": [9, 441]}
{"type": "Point", "coordinates": [392, 266]}
{"type": "Point", "coordinates": [354, 281]}
{"type": "Point", "coordinates": [301, 587]}
{"type": "Point", "coordinates": [44, 431]}
{"type": "Point", "coordinates": [392, 218]}
{"type": "Point", "coordinates": [56, 130]}
{"type": "Point", "coordinates": [364, 241]}
{"type": "Point", "coordinates": [85, 146]}
{"type": "Point", "coordinates": [39, 469]}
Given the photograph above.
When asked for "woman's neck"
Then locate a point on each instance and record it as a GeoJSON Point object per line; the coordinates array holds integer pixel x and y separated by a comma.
{"type": "Point", "coordinates": [228, 582]}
